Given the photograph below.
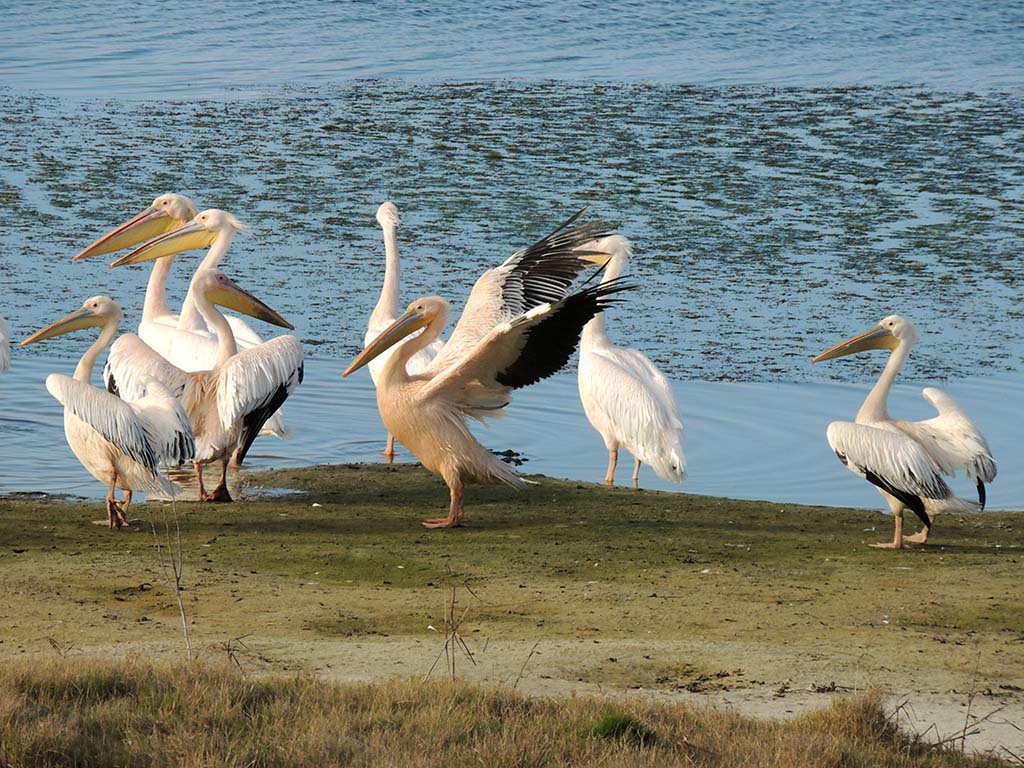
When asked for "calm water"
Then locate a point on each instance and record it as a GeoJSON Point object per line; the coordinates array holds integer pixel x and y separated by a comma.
{"type": "Point", "coordinates": [789, 172]}
{"type": "Point", "coordinates": [193, 48]}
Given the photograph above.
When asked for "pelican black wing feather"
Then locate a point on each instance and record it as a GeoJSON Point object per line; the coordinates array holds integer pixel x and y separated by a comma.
{"type": "Point", "coordinates": [253, 421]}
{"type": "Point", "coordinates": [914, 503]}
{"type": "Point", "coordinates": [544, 271]}
{"type": "Point", "coordinates": [551, 342]}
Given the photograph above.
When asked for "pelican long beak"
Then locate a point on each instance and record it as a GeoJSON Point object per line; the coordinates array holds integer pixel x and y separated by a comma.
{"type": "Point", "coordinates": [76, 321]}
{"type": "Point", "coordinates": [232, 296]}
{"type": "Point", "coordinates": [192, 235]}
{"type": "Point", "coordinates": [878, 337]}
{"type": "Point", "coordinates": [150, 223]}
{"type": "Point", "coordinates": [600, 258]}
{"type": "Point", "coordinates": [407, 324]}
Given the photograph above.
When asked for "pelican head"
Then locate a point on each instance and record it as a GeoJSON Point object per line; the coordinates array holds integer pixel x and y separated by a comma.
{"type": "Point", "coordinates": [95, 312]}
{"type": "Point", "coordinates": [420, 314]}
{"type": "Point", "coordinates": [221, 290]}
{"type": "Point", "coordinates": [890, 332]}
{"type": "Point", "coordinates": [201, 232]}
{"type": "Point", "coordinates": [166, 213]}
{"type": "Point", "coordinates": [387, 215]}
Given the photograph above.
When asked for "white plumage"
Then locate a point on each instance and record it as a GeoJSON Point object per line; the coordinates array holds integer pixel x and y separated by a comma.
{"type": "Point", "coordinates": [626, 398]}
{"type": "Point", "coordinates": [184, 339]}
{"type": "Point", "coordinates": [123, 445]}
{"type": "Point", "coordinates": [387, 309]}
{"type": "Point", "coordinates": [228, 404]}
{"type": "Point", "coordinates": [908, 460]}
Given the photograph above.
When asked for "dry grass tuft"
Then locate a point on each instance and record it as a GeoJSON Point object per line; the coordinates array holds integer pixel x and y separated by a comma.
{"type": "Point", "coordinates": [71, 713]}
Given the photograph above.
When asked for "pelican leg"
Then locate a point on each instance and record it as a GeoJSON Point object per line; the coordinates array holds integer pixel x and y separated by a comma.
{"type": "Point", "coordinates": [389, 449]}
{"type": "Point", "coordinates": [636, 473]}
{"type": "Point", "coordinates": [455, 511]}
{"type": "Point", "coordinates": [199, 477]}
{"type": "Point", "coordinates": [220, 493]}
{"type": "Point", "coordinates": [897, 541]}
{"type": "Point", "coordinates": [115, 518]}
{"type": "Point", "coordinates": [236, 462]}
{"type": "Point", "coordinates": [613, 459]}
{"type": "Point", "coordinates": [122, 509]}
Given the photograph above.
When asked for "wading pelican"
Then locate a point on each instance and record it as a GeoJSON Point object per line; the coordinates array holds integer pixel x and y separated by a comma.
{"type": "Point", "coordinates": [907, 459]}
{"type": "Point", "coordinates": [387, 309]}
{"type": "Point", "coordinates": [229, 403]}
{"type": "Point", "coordinates": [121, 444]}
{"type": "Point", "coordinates": [5, 346]}
{"type": "Point", "coordinates": [625, 397]}
{"type": "Point", "coordinates": [183, 339]}
{"type": "Point", "coordinates": [518, 327]}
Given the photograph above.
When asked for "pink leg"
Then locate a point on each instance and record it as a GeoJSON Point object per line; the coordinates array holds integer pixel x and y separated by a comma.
{"type": "Point", "coordinates": [455, 510]}
{"type": "Point", "coordinates": [613, 459]}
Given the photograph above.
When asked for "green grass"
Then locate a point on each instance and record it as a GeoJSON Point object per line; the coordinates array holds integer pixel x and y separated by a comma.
{"type": "Point", "coordinates": [141, 714]}
{"type": "Point", "coordinates": [573, 587]}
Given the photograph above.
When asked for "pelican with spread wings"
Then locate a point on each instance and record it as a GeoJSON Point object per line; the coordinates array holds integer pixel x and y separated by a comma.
{"type": "Point", "coordinates": [123, 445]}
{"type": "Point", "coordinates": [518, 327]}
{"type": "Point", "coordinates": [907, 460]}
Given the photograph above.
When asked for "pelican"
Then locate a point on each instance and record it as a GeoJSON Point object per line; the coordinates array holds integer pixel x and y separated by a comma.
{"type": "Point", "coordinates": [121, 444]}
{"type": "Point", "coordinates": [5, 346]}
{"type": "Point", "coordinates": [906, 460]}
{"type": "Point", "coordinates": [625, 397]}
{"type": "Point", "coordinates": [518, 327]}
{"type": "Point", "coordinates": [183, 339]}
{"type": "Point", "coordinates": [229, 403]}
{"type": "Point", "coordinates": [386, 311]}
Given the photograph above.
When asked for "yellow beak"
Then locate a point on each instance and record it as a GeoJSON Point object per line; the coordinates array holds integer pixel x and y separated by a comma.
{"type": "Point", "coordinates": [878, 337]}
{"type": "Point", "coordinates": [230, 295]}
{"type": "Point", "coordinates": [150, 223]}
{"type": "Point", "coordinates": [407, 324]}
{"type": "Point", "coordinates": [76, 321]}
{"type": "Point", "coordinates": [192, 235]}
{"type": "Point", "coordinates": [594, 257]}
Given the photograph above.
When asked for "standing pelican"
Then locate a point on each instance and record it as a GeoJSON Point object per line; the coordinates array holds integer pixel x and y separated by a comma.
{"type": "Point", "coordinates": [5, 346]}
{"type": "Point", "coordinates": [907, 459]}
{"type": "Point", "coordinates": [518, 327]}
{"type": "Point", "coordinates": [123, 445]}
{"type": "Point", "coordinates": [229, 403]}
{"type": "Point", "coordinates": [188, 345]}
{"type": "Point", "coordinates": [625, 397]}
{"type": "Point", "coordinates": [386, 311]}
{"type": "Point", "coordinates": [183, 339]}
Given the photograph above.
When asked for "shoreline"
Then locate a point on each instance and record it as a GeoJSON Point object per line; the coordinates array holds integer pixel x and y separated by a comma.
{"type": "Point", "coordinates": [760, 608]}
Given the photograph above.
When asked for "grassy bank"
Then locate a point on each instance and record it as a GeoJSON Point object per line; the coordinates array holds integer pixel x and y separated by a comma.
{"type": "Point", "coordinates": [565, 588]}
{"type": "Point", "coordinates": [102, 714]}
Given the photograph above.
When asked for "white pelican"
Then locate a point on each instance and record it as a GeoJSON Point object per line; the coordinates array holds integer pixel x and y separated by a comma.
{"type": "Point", "coordinates": [123, 445]}
{"type": "Point", "coordinates": [387, 309]}
{"type": "Point", "coordinates": [625, 397]}
{"type": "Point", "coordinates": [518, 327]}
{"type": "Point", "coordinates": [229, 403]}
{"type": "Point", "coordinates": [907, 459]}
{"type": "Point", "coordinates": [5, 346]}
{"type": "Point", "coordinates": [183, 339]}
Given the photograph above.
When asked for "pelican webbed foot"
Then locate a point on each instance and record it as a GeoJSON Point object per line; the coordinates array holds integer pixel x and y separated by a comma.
{"type": "Point", "coordinates": [455, 511]}
{"type": "Point", "coordinates": [218, 494]}
{"type": "Point", "coordinates": [918, 538]}
{"type": "Point", "coordinates": [897, 539]}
